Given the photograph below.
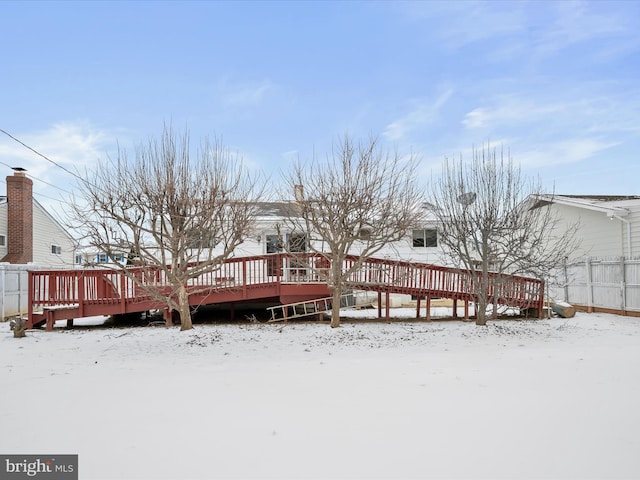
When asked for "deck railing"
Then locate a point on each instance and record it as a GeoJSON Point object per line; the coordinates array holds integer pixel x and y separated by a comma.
{"type": "Point", "coordinates": [55, 288]}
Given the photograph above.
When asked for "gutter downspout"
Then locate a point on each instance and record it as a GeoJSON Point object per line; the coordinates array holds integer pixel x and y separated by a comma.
{"type": "Point", "coordinates": [628, 223]}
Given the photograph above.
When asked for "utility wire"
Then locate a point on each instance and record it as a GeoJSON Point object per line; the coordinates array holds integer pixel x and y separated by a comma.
{"type": "Point", "coordinates": [40, 180]}
{"type": "Point", "coordinates": [41, 155]}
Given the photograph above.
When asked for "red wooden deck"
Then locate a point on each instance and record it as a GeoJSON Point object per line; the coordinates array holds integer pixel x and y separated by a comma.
{"type": "Point", "coordinates": [278, 278]}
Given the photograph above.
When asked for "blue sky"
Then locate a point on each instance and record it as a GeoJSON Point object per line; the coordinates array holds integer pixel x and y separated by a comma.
{"type": "Point", "coordinates": [557, 83]}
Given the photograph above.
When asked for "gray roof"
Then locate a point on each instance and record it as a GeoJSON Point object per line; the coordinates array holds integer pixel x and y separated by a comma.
{"type": "Point", "coordinates": [603, 198]}
{"type": "Point", "coordinates": [276, 209]}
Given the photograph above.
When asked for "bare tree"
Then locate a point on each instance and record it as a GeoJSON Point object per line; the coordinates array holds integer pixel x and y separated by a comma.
{"type": "Point", "coordinates": [493, 219]}
{"type": "Point", "coordinates": [356, 202]}
{"type": "Point", "coordinates": [172, 213]}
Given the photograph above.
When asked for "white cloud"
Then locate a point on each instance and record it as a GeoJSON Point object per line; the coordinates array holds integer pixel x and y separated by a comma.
{"type": "Point", "coordinates": [423, 113]}
{"type": "Point", "coordinates": [571, 150]}
{"type": "Point", "coordinates": [71, 145]}
{"type": "Point", "coordinates": [537, 30]}
{"type": "Point", "coordinates": [290, 155]}
{"type": "Point", "coordinates": [507, 110]}
{"type": "Point", "coordinates": [244, 94]}
{"type": "Point", "coordinates": [464, 22]}
{"type": "Point", "coordinates": [578, 22]}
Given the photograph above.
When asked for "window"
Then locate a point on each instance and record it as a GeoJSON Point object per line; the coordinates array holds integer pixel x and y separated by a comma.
{"type": "Point", "coordinates": [427, 237]}
{"type": "Point", "coordinates": [274, 243]}
{"type": "Point", "coordinates": [200, 240]}
{"type": "Point", "coordinates": [3, 240]}
{"type": "Point", "coordinates": [56, 249]}
{"type": "Point", "coordinates": [78, 259]}
{"type": "Point", "coordinates": [297, 242]}
{"type": "Point", "coordinates": [102, 258]}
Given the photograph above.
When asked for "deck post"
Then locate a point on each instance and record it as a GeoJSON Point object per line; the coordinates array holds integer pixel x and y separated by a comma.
{"type": "Point", "coordinates": [379, 304]}
{"type": "Point", "coordinates": [418, 308]}
{"type": "Point", "coordinates": [50, 320]}
{"type": "Point", "coordinates": [81, 295]}
{"type": "Point", "coordinates": [541, 303]}
{"type": "Point", "coordinates": [168, 317]}
{"type": "Point", "coordinates": [466, 309]}
{"type": "Point", "coordinates": [30, 297]}
{"type": "Point", "coordinates": [123, 287]}
{"type": "Point", "coordinates": [387, 306]}
{"type": "Point", "coordinates": [69, 323]}
{"type": "Point", "coordinates": [244, 278]}
{"type": "Point", "coordinates": [428, 307]}
{"type": "Point", "coordinates": [455, 307]}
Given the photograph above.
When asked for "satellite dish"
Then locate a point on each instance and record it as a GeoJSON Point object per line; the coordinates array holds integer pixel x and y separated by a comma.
{"type": "Point", "coordinates": [467, 198]}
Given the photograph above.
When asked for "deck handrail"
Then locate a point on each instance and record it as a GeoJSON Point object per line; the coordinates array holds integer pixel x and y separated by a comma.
{"type": "Point", "coordinates": [103, 285]}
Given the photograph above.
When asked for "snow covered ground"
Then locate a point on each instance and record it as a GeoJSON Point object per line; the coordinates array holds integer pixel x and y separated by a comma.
{"type": "Point", "coordinates": [551, 398]}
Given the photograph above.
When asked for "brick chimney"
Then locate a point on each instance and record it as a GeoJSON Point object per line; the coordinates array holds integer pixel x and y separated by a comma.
{"type": "Point", "coordinates": [19, 218]}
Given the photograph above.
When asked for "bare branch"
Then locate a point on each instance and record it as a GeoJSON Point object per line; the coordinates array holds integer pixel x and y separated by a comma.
{"type": "Point", "coordinates": [357, 201]}
{"type": "Point", "coordinates": [493, 219]}
{"type": "Point", "coordinates": [168, 210]}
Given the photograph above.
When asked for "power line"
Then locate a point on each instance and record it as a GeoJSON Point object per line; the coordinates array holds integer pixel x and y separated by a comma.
{"type": "Point", "coordinates": [41, 155]}
{"type": "Point", "coordinates": [40, 180]}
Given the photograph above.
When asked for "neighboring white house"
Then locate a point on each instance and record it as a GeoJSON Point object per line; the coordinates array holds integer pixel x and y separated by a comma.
{"type": "Point", "coordinates": [609, 225]}
{"type": "Point", "coordinates": [28, 233]}
{"type": "Point", "coordinates": [272, 236]}
{"type": "Point", "coordinates": [90, 257]}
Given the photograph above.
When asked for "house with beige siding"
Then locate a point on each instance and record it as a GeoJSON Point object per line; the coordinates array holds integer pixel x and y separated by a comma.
{"type": "Point", "coordinates": [28, 233]}
{"type": "Point", "coordinates": [609, 224]}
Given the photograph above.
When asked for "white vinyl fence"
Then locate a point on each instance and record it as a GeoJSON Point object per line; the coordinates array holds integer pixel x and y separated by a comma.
{"type": "Point", "coordinates": [612, 283]}
{"type": "Point", "coordinates": [14, 289]}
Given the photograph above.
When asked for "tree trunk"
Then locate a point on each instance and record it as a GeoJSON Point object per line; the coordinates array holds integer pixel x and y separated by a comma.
{"type": "Point", "coordinates": [19, 326]}
{"type": "Point", "coordinates": [335, 307]}
{"type": "Point", "coordinates": [481, 305]}
{"type": "Point", "coordinates": [481, 311]}
{"type": "Point", "coordinates": [336, 288]}
{"type": "Point", "coordinates": [185, 311]}
{"type": "Point", "coordinates": [483, 297]}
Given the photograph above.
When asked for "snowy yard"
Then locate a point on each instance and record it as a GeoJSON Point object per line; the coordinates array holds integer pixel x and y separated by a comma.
{"type": "Point", "coordinates": [518, 399]}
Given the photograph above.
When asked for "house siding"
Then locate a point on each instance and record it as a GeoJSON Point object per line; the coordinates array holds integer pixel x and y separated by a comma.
{"type": "Point", "coordinates": [47, 232]}
{"type": "Point", "coordinates": [600, 235]}
{"type": "Point", "coordinates": [401, 250]}
{"type": "Point", "coordinates": [634, 218]}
